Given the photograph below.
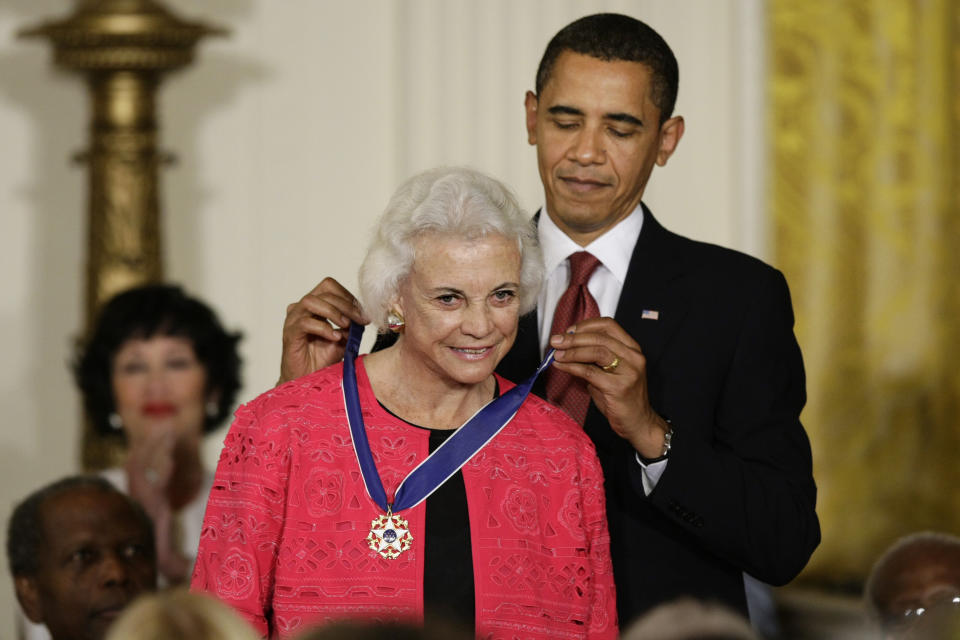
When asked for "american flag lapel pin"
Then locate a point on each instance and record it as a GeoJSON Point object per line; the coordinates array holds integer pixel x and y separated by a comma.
{"type": "Point", "coordinates": [650, 314]}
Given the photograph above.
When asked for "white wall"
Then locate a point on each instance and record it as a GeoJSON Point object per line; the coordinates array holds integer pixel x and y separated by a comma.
{"type": "Point", "coordinates": [291, 134]}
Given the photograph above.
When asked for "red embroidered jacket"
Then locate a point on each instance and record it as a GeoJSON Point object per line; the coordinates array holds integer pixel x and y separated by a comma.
{"type": "Point", "coordinates": [284, 535]}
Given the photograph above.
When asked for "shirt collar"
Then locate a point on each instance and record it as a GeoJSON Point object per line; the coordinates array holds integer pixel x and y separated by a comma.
{"type": "Point", "coordinates": [614, 250]}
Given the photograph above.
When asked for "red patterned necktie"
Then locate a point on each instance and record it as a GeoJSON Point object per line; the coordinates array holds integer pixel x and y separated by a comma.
{"type": "Point", "coordinates": [576, 304]}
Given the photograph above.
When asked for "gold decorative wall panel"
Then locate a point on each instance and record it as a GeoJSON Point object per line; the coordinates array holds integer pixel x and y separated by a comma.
{"type": "Point", "coordinates": [864, 126]}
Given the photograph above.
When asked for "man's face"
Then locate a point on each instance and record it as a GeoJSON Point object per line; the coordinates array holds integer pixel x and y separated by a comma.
{"type": "Point", "coordinates": [916, 585]}
{"type": "Point", "coordinates": [598, 135]}
{"type": "Point", "coordinates": [96, 558]}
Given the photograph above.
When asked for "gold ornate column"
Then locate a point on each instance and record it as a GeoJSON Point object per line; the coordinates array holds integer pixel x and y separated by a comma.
{"type": "Point", "coordinates": [123, 48]}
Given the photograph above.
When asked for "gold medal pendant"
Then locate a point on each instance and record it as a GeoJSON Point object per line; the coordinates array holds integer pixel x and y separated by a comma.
{"type": "Point", "coordinates": [389, 536]}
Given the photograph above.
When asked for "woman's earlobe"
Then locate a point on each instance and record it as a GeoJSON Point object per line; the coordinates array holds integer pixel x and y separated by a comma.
{"type": "Point", "coordinates": [395, 322]}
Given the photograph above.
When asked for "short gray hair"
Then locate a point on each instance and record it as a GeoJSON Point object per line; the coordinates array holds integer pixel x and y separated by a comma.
{"type": "Point", "coordinates": [178, 613]}
{"type": "Point", "coordinates": [453, 201]}
{"type": "Point", "coordinates": [689, 619]}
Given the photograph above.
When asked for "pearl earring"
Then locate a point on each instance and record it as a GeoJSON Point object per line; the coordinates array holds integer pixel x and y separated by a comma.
{"type": "Point", "coordinates": [395, 322]}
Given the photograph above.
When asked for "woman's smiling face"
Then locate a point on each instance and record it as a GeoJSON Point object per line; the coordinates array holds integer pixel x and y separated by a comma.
{"type": "Point", "coordinates": [461, 306]}
{"type": "Point", "coordinates": [159, 384]}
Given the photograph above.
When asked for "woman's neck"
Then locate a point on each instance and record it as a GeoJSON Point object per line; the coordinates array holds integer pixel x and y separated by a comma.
{"type": "Point", "coordinates": [420, 396]}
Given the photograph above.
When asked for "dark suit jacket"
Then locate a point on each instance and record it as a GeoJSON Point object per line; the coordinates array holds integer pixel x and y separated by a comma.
{"type": "Point", "coordinates": [724, 367]}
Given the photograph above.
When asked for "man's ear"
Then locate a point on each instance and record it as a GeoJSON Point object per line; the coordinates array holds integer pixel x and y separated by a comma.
{"type": "Point", "coordinates": [29, 597]}
{"type": "Point", "coordinates": [530, 104]}
{"type": "Point", "coordinates": [670, 133]}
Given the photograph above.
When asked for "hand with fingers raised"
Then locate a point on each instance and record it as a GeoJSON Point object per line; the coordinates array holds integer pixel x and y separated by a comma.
{"type": "Point", "coordinates": [312, 338]}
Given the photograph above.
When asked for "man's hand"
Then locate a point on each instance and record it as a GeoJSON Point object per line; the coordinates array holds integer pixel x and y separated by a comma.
{"type": "Point", "coordinates": [310, 340]}
{"type": "Point", "coordinates": [621, 392]}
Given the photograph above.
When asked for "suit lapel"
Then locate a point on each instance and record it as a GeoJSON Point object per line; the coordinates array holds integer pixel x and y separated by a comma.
{"type": "Point", "coordinates": [648, 308]}
{"type": "Point", "coordinates": [658, 260]}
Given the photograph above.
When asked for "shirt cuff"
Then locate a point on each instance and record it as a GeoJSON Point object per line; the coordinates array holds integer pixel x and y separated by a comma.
{"type": "Point", "coordinates": [650, 473]}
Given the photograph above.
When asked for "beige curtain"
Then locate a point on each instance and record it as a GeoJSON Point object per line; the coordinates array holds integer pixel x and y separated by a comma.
{"type": "Point", "coordinates": [864, 130]}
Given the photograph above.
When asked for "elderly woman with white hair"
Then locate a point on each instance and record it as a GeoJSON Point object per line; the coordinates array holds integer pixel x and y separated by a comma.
{"type": "Point", "coordinates": [414, 483]}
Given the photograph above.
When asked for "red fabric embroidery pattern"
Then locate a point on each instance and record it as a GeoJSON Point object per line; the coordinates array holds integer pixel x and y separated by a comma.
{"type": "Point", "coordinates": [324, 492]}
{"type": "Point", "coordinates": [284, 534]}
{"type": "Point", "coordinates": [521, 507]}
{"type": "Point", "coordinates": [235, 578]}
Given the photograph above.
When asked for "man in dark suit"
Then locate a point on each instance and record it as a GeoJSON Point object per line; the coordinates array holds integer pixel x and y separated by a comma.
{"type": "Point", "coordinates": [695, 376]}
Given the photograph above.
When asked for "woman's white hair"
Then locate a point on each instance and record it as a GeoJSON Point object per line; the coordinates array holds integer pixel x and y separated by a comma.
{"type": "Point", "coordinates": [452, 201]}
{"type": "Point", "coordinates": [690, 619]}
{"type": "Point", "coordinates": [178, 613]}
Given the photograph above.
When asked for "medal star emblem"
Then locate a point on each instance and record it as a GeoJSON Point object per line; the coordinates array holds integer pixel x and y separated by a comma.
{"type": "Point", "coordinates": [389, 536]}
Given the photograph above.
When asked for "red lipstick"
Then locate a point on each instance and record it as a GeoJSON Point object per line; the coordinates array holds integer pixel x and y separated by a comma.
{"type": "Point", "coordinates": [159, 409]}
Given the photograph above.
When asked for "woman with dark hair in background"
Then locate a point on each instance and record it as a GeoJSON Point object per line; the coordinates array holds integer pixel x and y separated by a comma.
{"type": "Point", "coordinates": [160, 371]}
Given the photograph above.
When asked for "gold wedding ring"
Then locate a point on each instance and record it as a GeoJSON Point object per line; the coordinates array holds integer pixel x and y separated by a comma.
{"type": "Point", "coordinates": [610, 368]}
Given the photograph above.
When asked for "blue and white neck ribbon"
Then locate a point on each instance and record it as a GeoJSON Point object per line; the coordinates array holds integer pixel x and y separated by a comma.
{"type": "Point", "coordinates": [448, 458]}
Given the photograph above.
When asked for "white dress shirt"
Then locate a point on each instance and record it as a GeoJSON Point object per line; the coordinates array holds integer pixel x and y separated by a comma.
{"type": "Point", "coordinates": [614, 250]}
